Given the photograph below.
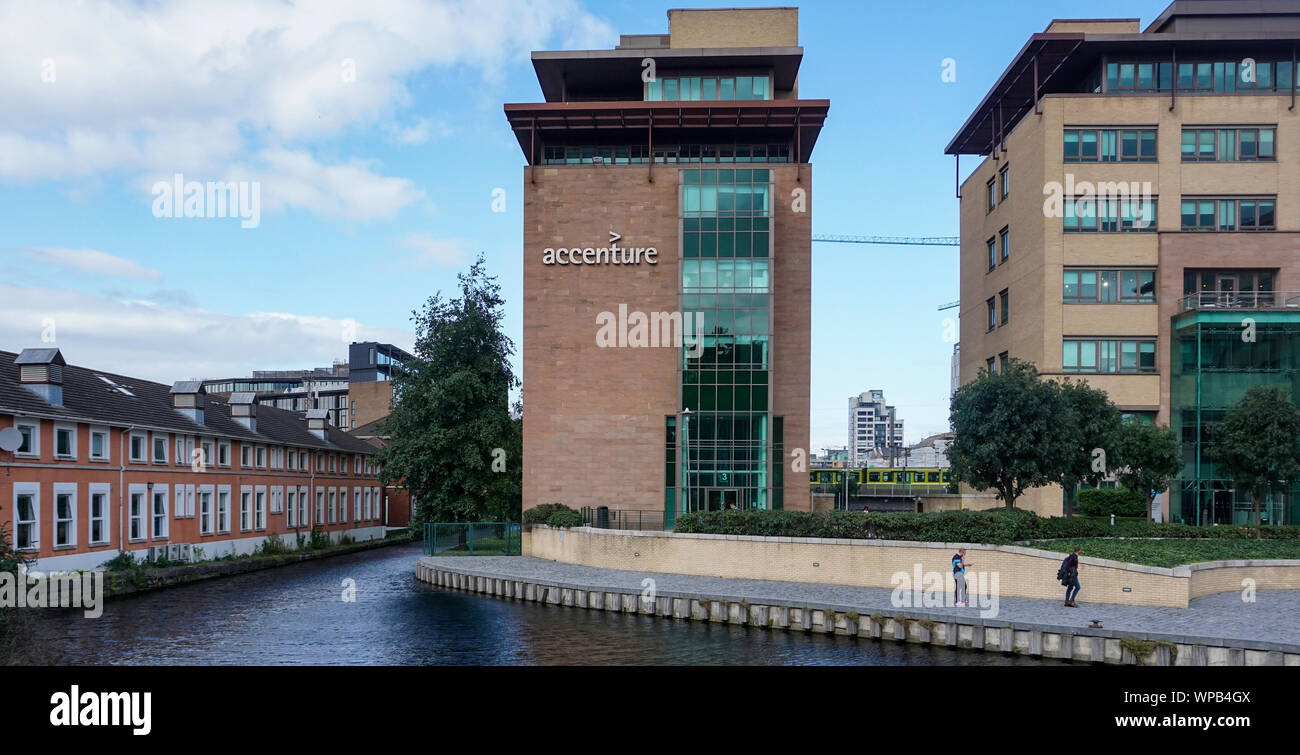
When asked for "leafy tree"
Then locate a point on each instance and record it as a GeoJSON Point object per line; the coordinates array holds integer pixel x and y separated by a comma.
{"type": "Point", "coordinates": [1094, 421]}
{"type": "Point", "coordinates": [1149, 458]}
{"type": "Point", "coordinates": [454, 445]}
{"type": "Point", "coordinates": [1258, 444]}
{"type": "Point", "coordinates": [1011, 431]}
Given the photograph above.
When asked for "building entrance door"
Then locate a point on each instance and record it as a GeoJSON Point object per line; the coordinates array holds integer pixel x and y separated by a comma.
{"type": "Point", "coordinates": [720, 499]}
{"type": "Point", "coordinates": [1226, 287]}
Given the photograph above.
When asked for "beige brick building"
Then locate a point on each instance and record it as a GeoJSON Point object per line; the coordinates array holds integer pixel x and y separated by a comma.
{"type": "Point", "coordinates": [667, 269]}
{"type": "Point", "coordinates": [1138, 199]}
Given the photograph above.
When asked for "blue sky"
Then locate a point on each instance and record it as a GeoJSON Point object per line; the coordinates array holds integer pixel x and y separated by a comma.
{"type": "Point", "coordinates": [376, 191]}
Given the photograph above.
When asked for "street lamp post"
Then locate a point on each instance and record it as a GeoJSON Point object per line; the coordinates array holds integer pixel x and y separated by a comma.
{"type": "Point", "coordinates": [686, 459]}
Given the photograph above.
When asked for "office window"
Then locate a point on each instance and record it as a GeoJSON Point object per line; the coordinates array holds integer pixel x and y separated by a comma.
{"type": "Point", "coordinates": [137, 513]}
{"type": "Point", "coordinates": [65, 442]}
{"type": "Point", "coordinates": [332, 457]}
{"type": "Point", "coordinates": [1002, 363]}
{"type": "Point", "coordinates": [160, 449]}
{"type": "Point", "coordinates": [291, 512]}
{"type": "Point", "coordinates": [1108, 356]}
{"type": "Point", "coordinates": [31, 442]}
{"type": "Point", "coordinates": [65, 515]}
{"type": "Point", "coordinates": [1005, 236]}
{"type": "Point", "coordinates": [343, 505]}
{"type": "Point", "coordinates": [223, 453]}
{"type": "Point", "coordinates": [1229, 214]}
{"type": "Point", "coordinates": [1004, 301]}
{"type": "Point", "coordinates": [245, 455]}
{"type": "Point", "coordinates": [356, 504]}
{"type": "Point", "coordinates": [303, 511]}
{"type": "Point", "coordinates": [992, 306]}
{"type": "Point", "coordinates": [1094, 214]}
{"type": "Point", "coordinates": [99, 445]}
{"type": "Point", "coordinates": [245, 509]}
{"type": "Point", "coordinates": [991, 195]}
{"type": "Point", "coordinates": [991, 366]}
{"type": "Point", "coordinates": [1109, 286]}
{"type": "Point", "coordinates": [27, 510]}
{"type": "Point", "coordinates": [1004, 182]}
{"type": "Point", "coordinates": [333, 510]}
{"type": "Point", "coordinates": [992, 245]}
{"type": "Point", "coordinates": [99, 495]}
{"type": "Point", "coordinates": [1091, 145]}
{"type": "Point", "coordinates": [261, 457]}
{"type": "Point", "coordinates": [320, 506]}
{"type": "Point", "coordinates": [260, 512]}
{"type": "Point", "coordinates": [1253, 144]}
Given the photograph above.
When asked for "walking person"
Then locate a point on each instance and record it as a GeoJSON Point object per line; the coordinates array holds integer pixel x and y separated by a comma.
{"type": "Point", "coordinates": [959, 565]}
{"type": "Point", "coordinates": [1070, 577]}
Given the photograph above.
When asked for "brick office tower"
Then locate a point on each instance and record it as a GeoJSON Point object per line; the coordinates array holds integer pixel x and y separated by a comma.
{"type": "Point", "coordinates": [1173, 151]}
{"type": "Point", "coordinates": [692, 147]}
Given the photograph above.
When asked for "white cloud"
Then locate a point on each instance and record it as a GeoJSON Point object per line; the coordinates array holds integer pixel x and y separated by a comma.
{"type": "Point", "coordinates": [192, 87]}
{"type": "Point", "coordinates": [352, 191]}
{"type": "Point", "coordinates": [93, 262]}
{"type": "Point", "coordinates": [423, 250]}
{"type": "Point", "coordinates": [169, 343]}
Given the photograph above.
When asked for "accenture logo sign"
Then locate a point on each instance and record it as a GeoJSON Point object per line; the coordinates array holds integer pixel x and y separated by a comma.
{"type": "Point", "coordinates": [605, 255]}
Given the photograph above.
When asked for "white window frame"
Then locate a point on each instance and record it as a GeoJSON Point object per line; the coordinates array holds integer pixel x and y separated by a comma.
{"type": "Point", "coordinates": [143, 437]}
{"type": "Point", "coordinates": [366, 509]}
{"type": "Point", "coordinates": [108, 444]}
{"type": "Point", "coordinates": [207, 515]}
{"type": "Point", "coordinates": [223, 509]}
{"type": "Point", "coordinates": [356, 504]}
{"type": "Point", "coordinates": [153, 448]}
{"type": "Point", "coordinates": [259, 508]}
{"type": "Point", "coordinates": [334, 496]}
{"type": "Point", "coordinates": [34, 490]}
{"type": "Point", "coordinates": [189, 501]}
{"type": "Point", "coordinates": [159, 490]}
{"type": "Point", "coordinates": [320, 505]}
{"type": "Point", "coordinates": [304, 508]}
{"type": "Point", "coordinates": [245, 455]}
{"type": "Point", "coordinates": [374, 512]}
{"type": "Point", "coordinates": [343, 505]}
{"type": "Point", "coordinates": [98, 489]}
{"type": "Point", "coordinates": [291, 509]}
{"type": "Point", "coordinates": [60, 489]}
{"type": "Point", "coordinates": [35, 427]}
{"type": "Point", "coordinates": [245, 508]}
{"type": "Point", "coordinates": [261, 457]}
{"type": "Point", "coordinates": [71, 429]}
{"type": "Point", "coordinates": [134, 516]}
{"type": "Point", "coordinates": [223, 454]}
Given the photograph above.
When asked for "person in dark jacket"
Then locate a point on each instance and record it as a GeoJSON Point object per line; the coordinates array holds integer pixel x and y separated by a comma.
{"type": "Point", "coordinates": [1071, 579]}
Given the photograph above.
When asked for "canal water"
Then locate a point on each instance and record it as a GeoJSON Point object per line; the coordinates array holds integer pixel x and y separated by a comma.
{"type": "Point", "coordinates": [297, 615]}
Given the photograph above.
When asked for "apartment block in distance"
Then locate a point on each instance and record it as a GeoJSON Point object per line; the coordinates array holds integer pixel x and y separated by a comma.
{"type": "Point", "coordinates": [873, 426]}
{"type": "Point", "coordinates": [1138, 199]}
{"type": "Point", "coordinates": [669, 177]}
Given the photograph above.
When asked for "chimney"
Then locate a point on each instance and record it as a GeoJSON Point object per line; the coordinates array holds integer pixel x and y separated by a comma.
{"type": "Point", "coordinates": [41, 372]}
{"type": "Point", "coordinates": [189, 399]}
{"type": "Point", "coordinates": [243, 409]}
{"type": "Point", "coordinates": [317, 422]}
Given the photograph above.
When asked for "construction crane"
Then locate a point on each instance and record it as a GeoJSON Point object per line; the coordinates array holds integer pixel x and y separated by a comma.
{"type": "Point", "coordinates": [950, 305]}
{"type": "Point", "coordinates": [892, 240]}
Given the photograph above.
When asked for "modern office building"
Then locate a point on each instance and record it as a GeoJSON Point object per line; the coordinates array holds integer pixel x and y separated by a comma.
{"type": "Point", "coordinates": [668, 190]}
{"type": "Point", "coordinates": [108, 464]}
{"type": "Point", "coordinates": [1138, 200]}
{"type": "Point", "coordinates": [874, 427]}
{"type": "Point", "coordinates": [352, 393]}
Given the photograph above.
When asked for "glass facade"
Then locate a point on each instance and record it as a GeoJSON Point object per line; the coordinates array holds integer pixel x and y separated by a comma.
{"type": "Point", "coordinates": [1212, 367]}
{"type": "Point", "coordinates": [728, 441]}
{"type": "Point", "coordinates": [705, 88]}
{"type": "Point", "coordinates": [1218, 76]}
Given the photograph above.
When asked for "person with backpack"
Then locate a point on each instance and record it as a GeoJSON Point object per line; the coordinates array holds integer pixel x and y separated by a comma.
{"type": "Point", "coordinates": [1069, 576]}
{"type": "Point", "coordinates": [959, 565]}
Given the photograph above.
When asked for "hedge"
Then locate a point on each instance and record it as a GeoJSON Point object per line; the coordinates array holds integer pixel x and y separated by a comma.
{"type": "Point", "coordinates": [553, 514]}
{"type": "Point", "coordinates": [994, 526]}
{"type": "Point", "coordinates": [1117, 501]}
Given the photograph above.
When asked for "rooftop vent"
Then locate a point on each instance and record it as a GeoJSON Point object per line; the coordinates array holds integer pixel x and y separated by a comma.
{"type": "Point", "coordinates": [318, 422]}
{"type": "Point", "coordinates": [189, 398]}
{"type": "Point", "coordinates": [41, 372]}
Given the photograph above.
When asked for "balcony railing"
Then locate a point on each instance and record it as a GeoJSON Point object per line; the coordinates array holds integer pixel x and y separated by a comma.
{"type": "Point", "coordinates": [1241, 300]}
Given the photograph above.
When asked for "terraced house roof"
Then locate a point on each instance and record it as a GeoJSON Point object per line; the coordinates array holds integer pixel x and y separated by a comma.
{"type": "Point", "coordinates": [105, 398]}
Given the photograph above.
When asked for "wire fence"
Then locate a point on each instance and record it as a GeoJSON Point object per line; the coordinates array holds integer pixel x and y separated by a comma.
{"type": "Point", "coordinates": [625, 519]}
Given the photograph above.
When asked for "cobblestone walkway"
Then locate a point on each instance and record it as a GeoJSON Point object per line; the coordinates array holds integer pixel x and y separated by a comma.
{"type": "Point", "coordinates": [1271, 622]}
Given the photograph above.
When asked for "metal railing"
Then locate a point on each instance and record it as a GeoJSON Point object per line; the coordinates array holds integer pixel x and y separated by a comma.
{"type": "Point", "coordinates": [627, 519]}
{"type": "Point", "coordinates": [1241, 300]}
{"type": "Point", "coordinates": [472, 539]}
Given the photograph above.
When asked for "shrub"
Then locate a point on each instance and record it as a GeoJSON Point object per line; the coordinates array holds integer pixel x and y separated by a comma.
{"type": "Point", "coordinates": [273, 545]}
{"type": "Point", "coordinates": [563, 515]}
{"type": "Point", "coordinates": [1117, 501]}
{"type": "Point", "coordinates": [121, 562]}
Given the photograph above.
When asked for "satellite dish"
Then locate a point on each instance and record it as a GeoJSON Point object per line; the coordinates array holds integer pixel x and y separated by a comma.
{"type": "Point", "coordinates": [10, 439]}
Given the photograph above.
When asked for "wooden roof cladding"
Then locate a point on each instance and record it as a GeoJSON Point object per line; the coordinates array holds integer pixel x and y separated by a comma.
{"type": "Point", "coordinates": [799, 120]}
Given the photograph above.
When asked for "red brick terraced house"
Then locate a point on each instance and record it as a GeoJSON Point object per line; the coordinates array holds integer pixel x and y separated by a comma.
{"type": "Point", "coordinates": [107, 464]}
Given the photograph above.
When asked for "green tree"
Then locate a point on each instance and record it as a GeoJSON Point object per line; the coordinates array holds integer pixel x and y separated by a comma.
{"type": "Point", "coordinates": [1258, 444]}
{"type": "Point", "coordinates": [1011, 431]}
{"type": "Point", "coordinates": [1094, 421]}
{"type": "Point", "coordinates": [1148, 460]}
{"type": "Point", "coordinates": [454, 445]}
